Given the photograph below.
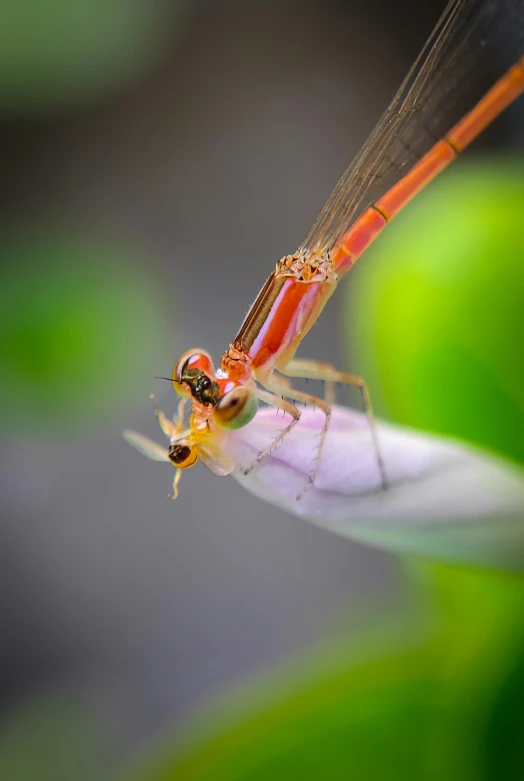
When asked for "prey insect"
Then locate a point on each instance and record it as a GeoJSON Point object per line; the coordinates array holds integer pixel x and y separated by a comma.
{"type": "Point", "coordinates": [185, 447]}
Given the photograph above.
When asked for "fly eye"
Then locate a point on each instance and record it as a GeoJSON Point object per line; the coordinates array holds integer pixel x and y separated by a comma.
{"type": "Point", "coordinates": [236, 409]}
{"type": "Point", "coordinates": [191, 359]}
{"type": "Point", "coordinates": [182, 456]}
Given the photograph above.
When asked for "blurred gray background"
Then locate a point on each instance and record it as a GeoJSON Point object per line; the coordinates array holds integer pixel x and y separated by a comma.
{"type": "Point", "coordinates": [210, 165]}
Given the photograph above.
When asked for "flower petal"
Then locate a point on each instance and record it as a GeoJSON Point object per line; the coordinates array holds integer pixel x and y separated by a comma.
{"type": "Point", "coordinates": [444, 499]}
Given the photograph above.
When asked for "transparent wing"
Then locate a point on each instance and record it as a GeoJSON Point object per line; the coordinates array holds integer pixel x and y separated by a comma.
{"type": "Point", "coordinates": [146, 446]}
{"type": "Point", "coordinates": [474, 43]}
{"type": "Point", "coordinates": [215, 460]}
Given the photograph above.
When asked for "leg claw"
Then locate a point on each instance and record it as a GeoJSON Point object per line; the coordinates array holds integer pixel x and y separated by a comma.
{"type": "Point", "coordinates": [304, 490]}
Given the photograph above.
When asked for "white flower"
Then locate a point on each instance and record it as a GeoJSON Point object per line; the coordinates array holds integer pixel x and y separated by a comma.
{"type": "Point", "coordinates": [444, 499]}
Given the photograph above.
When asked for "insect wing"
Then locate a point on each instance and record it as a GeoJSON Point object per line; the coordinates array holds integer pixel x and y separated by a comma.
{"type": "Point", "coordinates": [216, 460]}
{"type": "Point", "coordinates": [146, 446]}
{"type": "Point", "coordinates": [473, 44]}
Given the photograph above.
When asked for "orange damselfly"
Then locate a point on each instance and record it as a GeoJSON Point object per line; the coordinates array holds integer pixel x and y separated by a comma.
{"type": "Point", "coordinates": [470, 70]}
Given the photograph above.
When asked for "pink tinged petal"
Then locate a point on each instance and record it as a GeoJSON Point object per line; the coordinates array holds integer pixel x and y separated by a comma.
{"type": "Point", "coordinates": [444, 499]}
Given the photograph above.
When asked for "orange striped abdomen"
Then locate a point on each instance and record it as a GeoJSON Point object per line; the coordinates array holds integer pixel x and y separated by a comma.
{"type": "Point", "coordinates": [271, 334]}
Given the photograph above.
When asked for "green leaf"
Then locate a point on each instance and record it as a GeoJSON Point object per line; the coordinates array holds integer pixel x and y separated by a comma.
{"type": "Point", "coordinates": [53, 737]}
{"type": "Point", "coordinates": [410, 700]}
{"type": "Point", "coordinates": [435, 313]}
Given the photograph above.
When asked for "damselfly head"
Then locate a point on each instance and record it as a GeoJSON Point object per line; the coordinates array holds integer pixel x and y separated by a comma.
{"type": "Point", "coordinates": [236, 408]}
{"type": "Point", "coordinates": [234, 403]}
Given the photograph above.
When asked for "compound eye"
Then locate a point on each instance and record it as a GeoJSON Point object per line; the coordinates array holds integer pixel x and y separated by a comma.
{"type": "Point", "coordinates": [236, 409]}
{"type": "Point", "coordinates": [191, 359]}
{"type": "Point", "coordinates": [182, 456]}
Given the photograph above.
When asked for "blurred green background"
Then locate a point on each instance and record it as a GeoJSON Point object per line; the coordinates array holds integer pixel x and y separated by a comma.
{"type": "Point", "coordinates": [71, 309]}
{"type": "Point", "coordinates": [157, 159]}
{"type": "Point", "coordinates": [437, 312]}
{"type": "Point", "coordinates": [60, 54]}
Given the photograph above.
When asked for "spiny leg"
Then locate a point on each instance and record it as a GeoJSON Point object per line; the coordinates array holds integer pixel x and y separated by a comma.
{"type": "Point", "coordinates": [329, 392]}
{"type": "Point", "coordinates": [275, 400]}
{"type": "Point", "coordinates": [316, 370]}
{"type": "Point", "coordinates": [276, 385]}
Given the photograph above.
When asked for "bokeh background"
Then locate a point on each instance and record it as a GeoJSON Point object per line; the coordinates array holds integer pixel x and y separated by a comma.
{"type": "Point", "coordinates": [157, 158]}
